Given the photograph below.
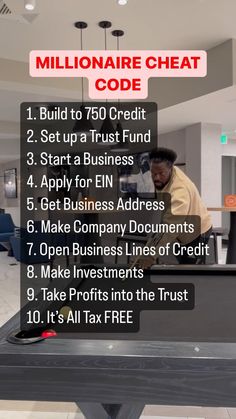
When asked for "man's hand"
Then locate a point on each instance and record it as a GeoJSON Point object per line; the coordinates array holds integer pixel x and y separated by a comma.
{"type": "Point", "coordinates": [145, 262]}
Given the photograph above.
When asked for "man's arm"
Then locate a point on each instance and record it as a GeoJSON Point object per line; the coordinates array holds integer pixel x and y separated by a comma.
{"type": "Point", "coordinates": [180, 204]}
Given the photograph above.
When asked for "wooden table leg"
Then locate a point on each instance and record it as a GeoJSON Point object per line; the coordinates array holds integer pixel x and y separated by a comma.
{"type": "Point", "coordinates": [128, 411]}
{"type": "Point", "coordinates": [93, 410]}
{"type": "Point", "coordinates": [111, 411]}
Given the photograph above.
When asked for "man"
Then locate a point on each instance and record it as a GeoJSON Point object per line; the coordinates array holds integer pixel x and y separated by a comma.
{"type": "Point", "coordinates": [185, 201]}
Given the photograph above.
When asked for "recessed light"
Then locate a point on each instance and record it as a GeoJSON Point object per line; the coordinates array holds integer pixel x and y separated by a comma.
{"type": "Point", "coordinates": [30, 4]}
{"type": "Point", "coordinates": [122, 2]}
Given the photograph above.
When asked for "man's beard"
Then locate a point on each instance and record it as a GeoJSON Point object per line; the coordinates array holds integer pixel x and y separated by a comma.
{"type": "Point", "coordinates": [160, 187]}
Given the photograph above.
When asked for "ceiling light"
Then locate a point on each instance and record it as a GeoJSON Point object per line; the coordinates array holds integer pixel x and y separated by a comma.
{"type": "Point", "coordinates": [107, 127]}
{"type": "Point", "coordinates": [30, 4]}
{"type": "Point", "coordinates": [120, 146]}
{"type": "Point", "coordinates": [122, 2]}
{"type": "Point", "coordinates": [84, 125]}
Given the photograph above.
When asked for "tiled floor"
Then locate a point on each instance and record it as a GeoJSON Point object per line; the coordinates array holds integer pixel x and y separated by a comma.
{"type": "Point", "coordinates": [9, 304]}
{"type": "Point", "coordinates": [31, 410]}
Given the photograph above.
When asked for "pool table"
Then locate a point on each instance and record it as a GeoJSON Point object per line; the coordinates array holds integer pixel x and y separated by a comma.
{"type": "Point", "coordinates": [177, 357]}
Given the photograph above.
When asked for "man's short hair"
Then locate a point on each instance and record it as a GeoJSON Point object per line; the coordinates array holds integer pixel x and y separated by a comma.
{"type": "Point", "coordinates": [163, 155]}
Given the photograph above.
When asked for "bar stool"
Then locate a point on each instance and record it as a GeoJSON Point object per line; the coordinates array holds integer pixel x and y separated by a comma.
{"type": "Point", "coordinates": [218, 232]}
